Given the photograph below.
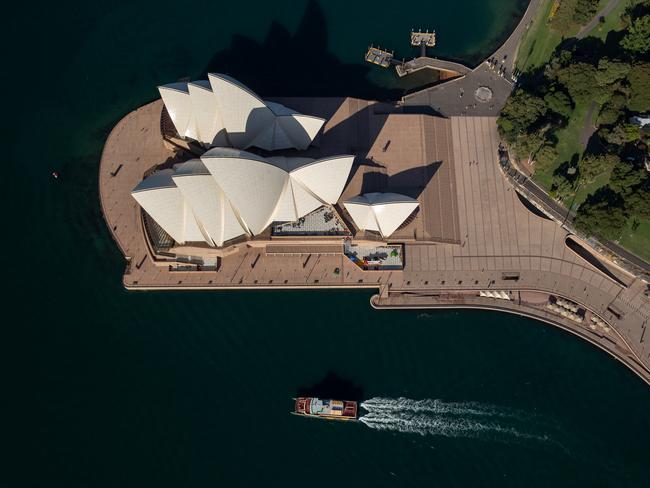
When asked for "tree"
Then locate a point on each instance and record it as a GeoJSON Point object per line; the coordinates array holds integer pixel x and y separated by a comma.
{"type": "Point", "coordinates": [562, 20]}
{"type": "Point", "coordinates": [592, 165]}
{"type": "Point", "coordinates": [578, 78]}
{"type": "Point", "coordinates": [639, 79]}
{"type": "Point", "coordinates": [527, 144]}
{"type": "Point", "coordinates": [611, 71]}
{"type": "Point", "coordinates": [612, 109]}
{"type": "Point", "coordinates": [637, 38]}
{"type": "Point", "coordinates": [565, 179]}
{"type": "Point", "coordinates": [625, 177]}
{"type": "Point", "coordinates": [520, 113]}
{"type": "Point", "coordinates": [637, 203]}
{"type": "Point", "coordinates": [602, 213]}
{"type": "Point", "coordinates": [584, 11]}
{"type": "Point", "coordinates": [559, 102]}
{"type": "Point", "coordinates": [546, 156]}
{"type": "Point", "coordinates": [620, 134]}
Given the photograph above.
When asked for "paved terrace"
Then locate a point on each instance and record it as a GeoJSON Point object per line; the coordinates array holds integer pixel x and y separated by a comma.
{"type": "Point", "coordinates": [495, 232]}
{"type": "Point", "coordinates": [456, 97]}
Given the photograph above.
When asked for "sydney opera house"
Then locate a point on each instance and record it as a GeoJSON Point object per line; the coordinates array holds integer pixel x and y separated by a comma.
{"type": "Point", "coordinates": [250, 171]}
{"type": "Point", "coordinates": [212, 187]}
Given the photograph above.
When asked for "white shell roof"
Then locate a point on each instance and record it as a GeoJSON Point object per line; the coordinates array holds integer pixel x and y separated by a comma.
{"type": "Point", "coordinates": [222, 111]}
{"type": "Point", "coordinates": [207, 201]}
{"type": "Point", "coordinates": [229, 192]}
{"type": "Point", "coordinates": [162, 200]}
{"type": "Point", "coordinates": [253, 186]}
{"type": "Point", "coordinates": [381, 212]}
{"type": "Point", "coordinates": [176, 98]}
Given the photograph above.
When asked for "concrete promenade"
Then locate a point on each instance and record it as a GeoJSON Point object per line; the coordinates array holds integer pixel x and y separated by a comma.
{"type": "Point", "coordinates": [500, 244]}
{"type": "Point", "coordinates": [457, 97]}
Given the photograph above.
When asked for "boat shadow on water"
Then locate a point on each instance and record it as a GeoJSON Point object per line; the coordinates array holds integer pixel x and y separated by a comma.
{"type": "Point", "coordinates": [333, 386]}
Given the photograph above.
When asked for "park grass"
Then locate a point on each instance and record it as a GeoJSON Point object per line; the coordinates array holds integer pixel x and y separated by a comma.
{"type": "Point", "coordinates": [637, 241]}
{"type": "Point", "coordinates": [568, 143]}
{"type": "Point", "coordinates": [584, 191]}
{"type": "Point", "coordinates": [612, 21]}
{"type": "Point", "coordinates": [539, 42]}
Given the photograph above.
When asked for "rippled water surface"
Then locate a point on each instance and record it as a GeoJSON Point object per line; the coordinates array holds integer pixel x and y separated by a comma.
{"type": "Point", "coordinates": [107, 388]}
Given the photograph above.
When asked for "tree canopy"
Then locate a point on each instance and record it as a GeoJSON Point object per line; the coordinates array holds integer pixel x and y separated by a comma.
{"type": "Point", "coordinates": [637, 38]}
{"type": "Point", "coordinates": [639, 79]}
{"type": "Point", "coordinates": [603, 214]}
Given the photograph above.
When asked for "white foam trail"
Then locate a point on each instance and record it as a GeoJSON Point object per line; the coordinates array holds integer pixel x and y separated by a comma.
{"type": "Point", "coordinates": [449, 427]}
{"type": "Point", "coordinates": [402, 404]}
{"type": "Point", "coordinates": [454, 419]}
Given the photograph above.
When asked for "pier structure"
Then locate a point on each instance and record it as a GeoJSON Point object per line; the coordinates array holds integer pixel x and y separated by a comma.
{"type": "Point", "coordinates": [380, 57]}
{"type": "Point", "coordinates": [446, 69]}
{"type": "Point", "coordinates": [475, 241]}
{"type": "Point", "coordinates": [423, 40]}
{"type": "Point", "coordinates": [419, 38]}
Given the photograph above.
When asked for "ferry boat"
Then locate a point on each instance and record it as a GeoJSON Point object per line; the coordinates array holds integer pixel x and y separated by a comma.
{"type": "Point", "coordinates": [326, 409]}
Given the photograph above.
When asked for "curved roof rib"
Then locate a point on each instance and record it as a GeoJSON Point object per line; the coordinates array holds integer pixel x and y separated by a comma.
{"type": "Point", "coordinates": [207, 119]}
{"type": "Point", "coordinates": [381, 212]}
{"type": "Point", "coordinates": [252, 184]}
{"type": "Point", "coordinates": [244, 114]}
{"type": "Point", "coordinates": [159, 196]}
{"type": "Point", "coordinates": [221, 111]}
{"type": "Point", "coordinates": [229, 192]}
{"type": "Point", "coordinates": [209, 204]}
{"type": "Point", "coordinates": [325, 178]}
{"type": "Point", "coordinates": [176, 97]}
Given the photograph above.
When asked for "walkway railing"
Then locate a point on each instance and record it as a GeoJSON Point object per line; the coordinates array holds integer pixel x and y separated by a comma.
{"type": "Point", "coordinates": [538, 197]}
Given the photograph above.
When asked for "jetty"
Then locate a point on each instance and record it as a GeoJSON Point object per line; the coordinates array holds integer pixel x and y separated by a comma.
{"type": "Point", "coordinates": [378, 56]}
{"type": "Point", "coordinates": [447, 69]}
{"type": "Point", "coordinates": [423, 40]}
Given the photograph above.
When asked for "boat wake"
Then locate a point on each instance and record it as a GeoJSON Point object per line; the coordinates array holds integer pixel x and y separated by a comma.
{"type": "Point", "coordinates": [451, 419]}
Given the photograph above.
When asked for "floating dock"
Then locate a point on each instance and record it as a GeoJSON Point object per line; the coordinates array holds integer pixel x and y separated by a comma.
{"type": "Point", "coordinates": [420, 38]}
{"type": "Point", "coordinates": [379, 56]}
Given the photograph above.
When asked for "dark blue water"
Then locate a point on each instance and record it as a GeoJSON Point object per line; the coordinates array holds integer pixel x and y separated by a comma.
{"type": "Point", "coordinates": [101, 387]}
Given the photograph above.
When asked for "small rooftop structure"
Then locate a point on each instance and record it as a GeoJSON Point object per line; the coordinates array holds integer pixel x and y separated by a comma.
{"type": "Point", "coordinates": [324, 221]}
{"type": "Point", "coordinates": [380, 212]}
{"type": "Point", "coordinates": [375, 258]}
{"type": "Point", "coordinates": [641, 120]}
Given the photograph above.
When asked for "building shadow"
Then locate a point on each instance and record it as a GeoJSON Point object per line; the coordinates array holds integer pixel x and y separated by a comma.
{"type": "Point", "coordinates": [334, 387]}
{"type": "Point", "coordinates": [296, 65]}
{"type": "Point", "coordinates": [410, 182]}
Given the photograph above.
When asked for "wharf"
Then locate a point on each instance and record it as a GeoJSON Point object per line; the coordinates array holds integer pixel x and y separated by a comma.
{"type": "Point", "coordinates": [448, 69]}
{"type": "Point", "coordinates": [379, 57]}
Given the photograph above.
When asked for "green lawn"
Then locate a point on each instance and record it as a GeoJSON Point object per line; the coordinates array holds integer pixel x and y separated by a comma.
{"type": "Point", "coordinates": [613, 20]}
{"type": "Point", "coordinates": [568, 143]}
{"type": "Point", "coordinates": [538, 42]}
{"type": "Point", "coordinates": [637, 241]}
{"type": "Point", "coordinates": [584, 190]}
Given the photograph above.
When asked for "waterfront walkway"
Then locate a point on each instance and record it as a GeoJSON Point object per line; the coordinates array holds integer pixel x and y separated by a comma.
{"type": "Point", "coordinates": [502, 245]}
{"type": "Point", "coordinates": [457, 97]}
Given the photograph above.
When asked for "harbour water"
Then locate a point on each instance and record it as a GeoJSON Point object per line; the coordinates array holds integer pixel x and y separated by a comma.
{"type": "Point", "coordinates": [105, 388]}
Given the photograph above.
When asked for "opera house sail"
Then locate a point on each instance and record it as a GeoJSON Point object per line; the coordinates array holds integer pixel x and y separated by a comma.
{"type": "Point", "coordinates": [221, 111]}
{"type": "Point", "coordinates": [228, 191]}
